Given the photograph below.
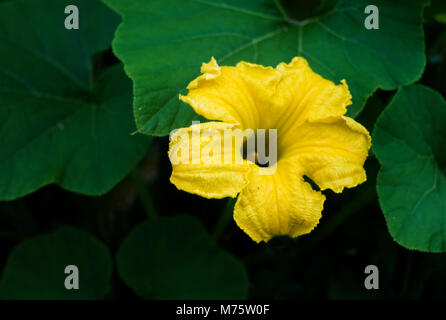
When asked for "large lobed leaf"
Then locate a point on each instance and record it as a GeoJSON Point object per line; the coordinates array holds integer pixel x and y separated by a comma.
{"type": "Point", "coordinates": [409, 141]}
{"type": "Point", "coordinates": [163, 43]}
{"type": "Point", "coordinates": [59, 124]}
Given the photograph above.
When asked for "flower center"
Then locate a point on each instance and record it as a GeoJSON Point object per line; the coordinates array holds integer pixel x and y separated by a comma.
{"type": "Point", "coordinates": [261, 148]}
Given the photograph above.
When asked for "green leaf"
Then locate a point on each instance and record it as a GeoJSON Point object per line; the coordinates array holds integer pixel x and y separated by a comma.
{"type": "Point", "coordinates": [174, 258]}
{"type": "Point", "coordinates": [60, 123]}
{"type": "Point", "coordinates": [163, 44]}
{"type": "Point", "coordinates": [409, 140]}
{"type": "Point", "coordinates": [36, 267]}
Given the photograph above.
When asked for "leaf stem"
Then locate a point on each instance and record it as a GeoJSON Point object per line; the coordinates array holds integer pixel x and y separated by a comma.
{"type": "Point", "coordinates": [224, 219]}
{"type": "Point", "coordinates": [143, 194]}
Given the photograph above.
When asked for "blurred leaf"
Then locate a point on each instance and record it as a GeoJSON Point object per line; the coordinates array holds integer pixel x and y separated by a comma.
{"type": "Point", "coordinates": [440, 17]}
{"type": "Point", "coordinates": [163, 44]}
{"type": "Point", "coordinates": [36, 267]}
{"type": "Point", "coordinates": [409, 141]}
{"type": "Point", "coordinates": [174, 258]}
{"type": "Point", "coordinates": [59, 124]}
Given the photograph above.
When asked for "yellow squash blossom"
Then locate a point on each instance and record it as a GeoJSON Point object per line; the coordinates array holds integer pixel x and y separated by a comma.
{"type": "Point", "coordinates": [314, 139]}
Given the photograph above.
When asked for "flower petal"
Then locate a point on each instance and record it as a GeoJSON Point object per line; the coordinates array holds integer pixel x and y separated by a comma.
{"type": "Point", "coordinates": [221, 93]}
{"type": "Point", "coordinates": [289, 94]}
{"type": "Point", "coordinates": [332, 154]}
{"type": "Point", "coordinates": [203, 165]}
{"type": "Point", "coordinates": [278, 204]}
{"type": "Point", "coordinates": [306, 96]}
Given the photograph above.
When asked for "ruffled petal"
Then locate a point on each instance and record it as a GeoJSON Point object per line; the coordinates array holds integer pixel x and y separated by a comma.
{"type": "Point", "coordinates": [221, 93]}
{"type": "Point", "coordinates": [332, 154]}
{"type": "Point", "coordinates": [315, 139]}
{"type": "Point", "coordinates": [307, 95]}
{"type": "Point", "coordinates": [203, 165]}
{"type": "Point", "coordinates": [278, 204]}
{"type": "Point", "coordinates": [289, 94]}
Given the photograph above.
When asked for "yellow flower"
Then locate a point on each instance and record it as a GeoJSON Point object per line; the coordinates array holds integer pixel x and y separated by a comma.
{"type": "Point", "coordinates": [314, 139]}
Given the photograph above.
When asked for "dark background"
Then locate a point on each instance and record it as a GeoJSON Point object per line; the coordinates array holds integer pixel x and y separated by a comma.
{"type": "Point", "coordinates": [327, 263]}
